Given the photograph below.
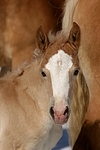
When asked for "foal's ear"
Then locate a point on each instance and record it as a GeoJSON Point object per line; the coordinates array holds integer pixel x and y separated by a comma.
{"type": "Point", "coordinates": [74, 36]}
{"type": "Point", "coordinates": [41, 39]}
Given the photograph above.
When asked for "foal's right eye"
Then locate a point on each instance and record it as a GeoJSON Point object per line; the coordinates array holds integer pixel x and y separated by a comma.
{"type": "Point", "coordinates": [43, 73]}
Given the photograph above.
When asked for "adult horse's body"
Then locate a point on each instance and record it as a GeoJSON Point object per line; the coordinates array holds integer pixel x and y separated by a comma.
{"type": "Point", "coordinates": [34, 101]}
{"type": "Point", "coordinates": [19, 20]}
{"type": "Point", "coordinates": [86, 14]}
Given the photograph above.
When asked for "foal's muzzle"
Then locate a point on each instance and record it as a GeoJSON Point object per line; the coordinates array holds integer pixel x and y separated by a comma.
{"type": "Point", "coordinates": [60, 113]}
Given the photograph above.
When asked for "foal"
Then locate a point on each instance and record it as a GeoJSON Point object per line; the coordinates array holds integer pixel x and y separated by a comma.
{"type": "Point", "coordinates": [60, 60]}
{"type": "Point", "coordinates": [34, 101]}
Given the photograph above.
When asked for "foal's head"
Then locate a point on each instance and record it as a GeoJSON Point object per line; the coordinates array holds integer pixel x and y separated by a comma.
{"type": "Point", "coordinates": [60, 60]}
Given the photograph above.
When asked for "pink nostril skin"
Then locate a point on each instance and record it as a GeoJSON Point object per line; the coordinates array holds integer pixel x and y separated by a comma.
{"type": "Point", "coordinates": [60, 113]}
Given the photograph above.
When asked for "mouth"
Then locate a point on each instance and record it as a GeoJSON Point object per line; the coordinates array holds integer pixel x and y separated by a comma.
{"type": "Point", "coordinates": [60, 120]}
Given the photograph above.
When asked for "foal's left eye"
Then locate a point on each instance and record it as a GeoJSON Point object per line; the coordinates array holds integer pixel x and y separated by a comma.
{"type": "Point", "coordinates": [76, 72]}
{"type": "Point", "coordinates": [43, 73]}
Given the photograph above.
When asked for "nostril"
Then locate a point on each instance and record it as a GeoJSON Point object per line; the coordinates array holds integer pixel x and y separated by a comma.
{"type": "Point", "coordinates": [66, 110]}
{"type": "Point", "coordinates": [52, 112]}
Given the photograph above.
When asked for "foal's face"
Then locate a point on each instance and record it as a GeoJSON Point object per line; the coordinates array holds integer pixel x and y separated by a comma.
{"type": "Point", "coordinates": [62, 63]}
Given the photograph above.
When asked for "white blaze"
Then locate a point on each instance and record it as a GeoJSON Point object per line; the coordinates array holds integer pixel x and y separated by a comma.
{"type": "Point", "coordinates": [59, 66]}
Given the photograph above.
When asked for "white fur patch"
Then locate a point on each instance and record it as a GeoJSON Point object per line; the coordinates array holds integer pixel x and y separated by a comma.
{"type": "Point", "coordinates": [59, 66]}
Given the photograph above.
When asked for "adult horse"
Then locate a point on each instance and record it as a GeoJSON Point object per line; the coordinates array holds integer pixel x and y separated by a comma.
{"type": "Point", "coordinates": [19, 20]}
{"type": "Point", "coordinates": [86, 14]}
{"type": "Point", "coordinates": [34, 100]}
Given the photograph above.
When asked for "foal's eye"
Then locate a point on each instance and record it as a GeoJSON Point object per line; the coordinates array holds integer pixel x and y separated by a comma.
{"type": "Point", "coordinates": [43, 73]}
{"type": "Point", "coordinates": [76, 72]}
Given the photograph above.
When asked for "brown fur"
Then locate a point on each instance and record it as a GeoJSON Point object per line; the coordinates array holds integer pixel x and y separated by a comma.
{"type": "Point", "coordinates": [90, 51]}
{"type": "Point", "coordinates": [19, 20]}
{"type": "Point", "coordinates": [87, 16]}
{"type": "Point", "coordinates": [88, 138]}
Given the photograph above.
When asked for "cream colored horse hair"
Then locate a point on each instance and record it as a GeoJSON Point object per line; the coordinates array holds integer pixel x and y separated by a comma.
{"type": "Point", "coordinates": [67, 21]}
